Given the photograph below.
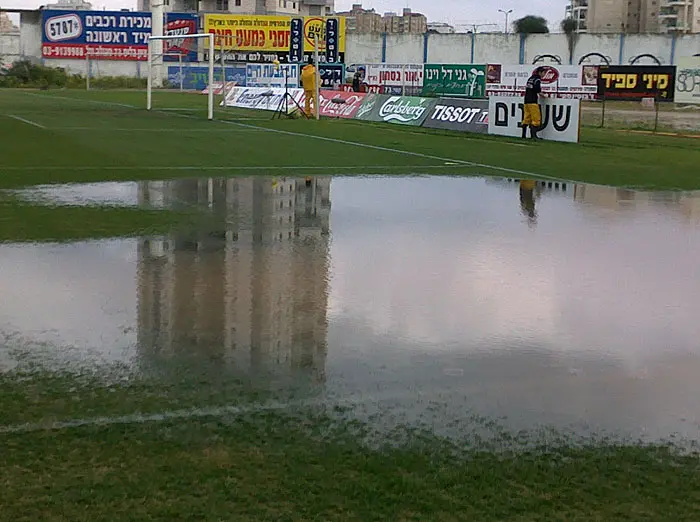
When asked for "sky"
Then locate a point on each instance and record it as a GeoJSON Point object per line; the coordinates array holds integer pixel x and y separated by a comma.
{"type": "Point", "coordinates": [452, 11]}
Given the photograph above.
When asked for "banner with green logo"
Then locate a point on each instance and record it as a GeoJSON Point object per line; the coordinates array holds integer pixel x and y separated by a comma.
{"type": "Point", "coordinates": [454, 80]}
{"type": "Point", "coordinates": [403, 110]}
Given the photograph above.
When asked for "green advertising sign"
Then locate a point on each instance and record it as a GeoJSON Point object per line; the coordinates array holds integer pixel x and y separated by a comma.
{"type": "Point", "coordinates": [454, 80]}
{"type": "Point", "coordinates": [404, 110]}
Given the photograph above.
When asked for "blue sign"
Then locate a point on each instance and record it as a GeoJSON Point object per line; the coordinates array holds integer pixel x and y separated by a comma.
{"type": "Point", "coordinates": [101, 35]}
{"type": "Point", "coordinates": [195, 78]}
{"type": "Point", "coordinates": [296, 40]}
{"type": "Point", "coordinates": [332, 75]}
{"type": "Point", "coordinates": [185, 49]}
{"type": "Point", "coordinates": [332, 38]}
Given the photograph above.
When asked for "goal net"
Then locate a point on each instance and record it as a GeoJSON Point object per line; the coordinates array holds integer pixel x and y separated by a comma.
{"type": "Point", "coordinates": [170, 50]}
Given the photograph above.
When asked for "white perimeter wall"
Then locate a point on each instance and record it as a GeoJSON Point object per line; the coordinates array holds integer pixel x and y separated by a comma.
{"type": "Point", "coordinates": [439, 48]}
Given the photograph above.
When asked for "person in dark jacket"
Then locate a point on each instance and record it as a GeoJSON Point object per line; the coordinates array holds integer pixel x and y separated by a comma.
{"type": "Point", "coordinates": [532, 116]}
{"type": "Point", "coordinates": [357, 79]}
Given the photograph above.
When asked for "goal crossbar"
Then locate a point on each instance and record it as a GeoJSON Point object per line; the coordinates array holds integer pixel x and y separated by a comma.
{"type": "Point", "coordinates": [149, 85]}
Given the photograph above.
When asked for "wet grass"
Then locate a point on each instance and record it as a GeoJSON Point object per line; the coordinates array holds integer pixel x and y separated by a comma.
{"type": "Point", "coordinates": [272, 466]}
{"type": "Point", "coordinates": [107, 136]}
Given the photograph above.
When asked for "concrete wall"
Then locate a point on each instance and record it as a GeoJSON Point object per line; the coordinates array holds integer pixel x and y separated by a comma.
{"type": "Point", "coordinates": [435, 48]}
{"type": "Point", "coordinates": [9, 48]}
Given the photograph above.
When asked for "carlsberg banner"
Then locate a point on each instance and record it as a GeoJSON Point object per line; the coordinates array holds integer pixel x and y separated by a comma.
{"type": "Point", "coordinates": [404, 110]}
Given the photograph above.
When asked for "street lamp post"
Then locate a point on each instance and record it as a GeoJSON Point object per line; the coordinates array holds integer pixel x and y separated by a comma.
{"type": "Point", "coordinates": [507, 13]}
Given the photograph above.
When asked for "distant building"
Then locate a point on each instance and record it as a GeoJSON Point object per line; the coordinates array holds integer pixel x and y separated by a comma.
{"type": "Point", "coordinates": [635, 16]}
{"type": "Point", "coordinates": [407, 22]}
{"type": "Point", "coordinates": [441, 28]}
{"type": "Point", "coordinates": [261, 7]}
{"type": "Point", "coordinates": [364, 21]}
{"type": "Point", "coordinates": [71, 5]}
{"type": "Point", "coordinates": [6, 25]}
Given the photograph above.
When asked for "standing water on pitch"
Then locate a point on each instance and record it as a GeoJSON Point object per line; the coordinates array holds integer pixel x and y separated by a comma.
{"type": "Point", "coordinates": [537, 304]}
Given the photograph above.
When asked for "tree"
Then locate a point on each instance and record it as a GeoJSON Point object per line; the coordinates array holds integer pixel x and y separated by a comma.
{"type": "Point", "coordinates": [531, 25]}
{"type": "Point", "coordinates": [569, 26]}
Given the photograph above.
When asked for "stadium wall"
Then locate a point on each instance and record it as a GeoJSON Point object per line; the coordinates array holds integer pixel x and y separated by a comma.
{"type": "Point", "coordinates": [438, 48]}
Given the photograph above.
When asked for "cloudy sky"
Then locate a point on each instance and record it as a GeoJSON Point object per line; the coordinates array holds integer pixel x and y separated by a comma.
{"type": "Point", "coordinates": [453, 11]}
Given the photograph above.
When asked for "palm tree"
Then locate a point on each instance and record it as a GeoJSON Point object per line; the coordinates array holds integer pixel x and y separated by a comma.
{"type": "Point", "coordinates": [569, 26]}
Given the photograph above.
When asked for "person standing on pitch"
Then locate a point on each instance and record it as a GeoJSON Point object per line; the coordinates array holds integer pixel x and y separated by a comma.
{"type": "Point", "coordinates": [532, 116]}
{"type": "Point", "coordinates": [308, 82]}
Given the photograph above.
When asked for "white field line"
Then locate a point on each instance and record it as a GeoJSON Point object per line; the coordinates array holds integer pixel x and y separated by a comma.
{"type": "Point", "coordinates": [126, 129]}
{"type": "Point", "coordinates": [232, 167]}
{"type": "Point", "coordinates": [28, 122]}
{"type": "Point", "coordinates": [345, 142]}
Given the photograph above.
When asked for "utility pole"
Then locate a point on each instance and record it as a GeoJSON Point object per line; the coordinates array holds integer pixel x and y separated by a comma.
{"type": "Point", "coordinates": [507, 13]}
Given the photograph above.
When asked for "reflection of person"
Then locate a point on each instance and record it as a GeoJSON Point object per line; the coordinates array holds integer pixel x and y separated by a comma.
{"type": "Point", "coordinates": [308, 82]}
{"type": "Point", "coordinates": [532, 117]}
{"type": "Point", "coordinates": [527, 200]}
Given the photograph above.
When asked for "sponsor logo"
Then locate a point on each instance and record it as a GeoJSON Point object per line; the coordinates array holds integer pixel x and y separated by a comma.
{"type": "Point", "coordinates": [452, 114]}
{"type": "Point", "coordinates": [401, 110]}
{"type": "Point", "coordinates": [551, 74]}
{"type": "Point", "coordinates": [367, 107]}
{"type": "Point", "coordinates": [63, 27]}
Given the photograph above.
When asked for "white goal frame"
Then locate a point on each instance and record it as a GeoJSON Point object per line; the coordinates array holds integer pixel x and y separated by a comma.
{"type": "Point", "coordinates": [149, 85]}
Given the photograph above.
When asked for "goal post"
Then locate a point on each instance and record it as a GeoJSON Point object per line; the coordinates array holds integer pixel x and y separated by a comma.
{"type": "Point", "coordinates": [154, 54]}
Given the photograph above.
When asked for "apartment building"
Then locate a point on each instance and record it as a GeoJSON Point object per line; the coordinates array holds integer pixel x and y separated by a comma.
{"type": "Point", "coordinates": [635, 16]}
{"type": "Point", "coordinates": [407, 22]}
{"type": "Point", "coordinates": [359, 20]}
{"type": "Point", "coordinates": [262, 7]}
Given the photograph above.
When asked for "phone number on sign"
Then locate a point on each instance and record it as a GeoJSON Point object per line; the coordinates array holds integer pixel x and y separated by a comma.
{"type": "Point", "coordinates": [111, 52]}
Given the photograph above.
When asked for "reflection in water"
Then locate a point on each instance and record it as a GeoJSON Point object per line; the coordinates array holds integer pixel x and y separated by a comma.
{"type": "Point", "coordinates": [252, 288]}
{"type": "Point", "coordinates": [428, 293]}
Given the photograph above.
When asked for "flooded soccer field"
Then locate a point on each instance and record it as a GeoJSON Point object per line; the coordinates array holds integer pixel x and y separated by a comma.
{"type": "Point", "coordinates": [452, 301]}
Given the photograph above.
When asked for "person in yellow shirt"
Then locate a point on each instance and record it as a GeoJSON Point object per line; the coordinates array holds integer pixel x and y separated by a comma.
{"type": "Point", "coordinates": [308, 82]}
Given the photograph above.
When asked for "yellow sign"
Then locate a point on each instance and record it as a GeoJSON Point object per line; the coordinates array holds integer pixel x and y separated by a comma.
{"type": "Point", "coordinates": [267, 33]}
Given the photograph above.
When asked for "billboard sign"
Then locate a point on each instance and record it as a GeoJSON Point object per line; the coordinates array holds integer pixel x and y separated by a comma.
{"type": "Point", "coordinates": [459, 115]}
{"type": "Point", "coordinates": [394, 78]}
{"type": "Point", "coordinates": [332, 75]}
{"type": "Point", "coordinates": [340, 104]}
{"type": "Point", "coordinates": [688, 80]}
{"type": "Point", "coordinates": [560, 118]}
{"type": "Point", "coordinates": [268, 75]}
{"type": "Point", "coordinates": [101, 35]}
{"type": "Point", "coordinates": [455, 80]}
{"type": "Point", "coordinates": [402, 110]}
{"type": "Point", "coordinates": [262, 98]}
{"type": "Point", "coordinates": [634, 82]}
{"type": "Point", "coordinates": [560, 81]}
{"type": "Point", "coordinates": [195, 78]}
{"type": "Point", "coordinates": [185, 49]}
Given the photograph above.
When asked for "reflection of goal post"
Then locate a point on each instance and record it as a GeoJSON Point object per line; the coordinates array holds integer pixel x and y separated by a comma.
{"type": "Point", "coordinates": [155, 54]}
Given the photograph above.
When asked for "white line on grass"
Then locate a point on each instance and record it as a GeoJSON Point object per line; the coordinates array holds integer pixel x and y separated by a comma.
{"type": "Point", "coordinates": [127, 129]}
{"type": "Point", "coordinates": [232, 167]}
{"type": "Point", "coordinates": [28, 122]}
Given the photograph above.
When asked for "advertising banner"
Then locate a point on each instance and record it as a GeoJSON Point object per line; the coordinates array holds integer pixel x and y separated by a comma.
{"type": "Point", "coordinates": [340, 104]}
{"type": "Point", "coordinates": [457, 80]}
{"type": "Point", "coordinates": [403, 110]}
{"type": "Point", "coordinates": [560, 118]}
{"type": "Point", "coordinates": [184, 49]}
{"type": "Point", "coordinates": [296, 40]}
{"type": "Point", "coordinates": [268, 75]}
{"type": "Point", "coordinates": [101, 35]}
{"type": "Point", "coordinates": [394, 78]}
{"type": "Point", "coordinates": [560, 81]}
{"type": "Point", "coordinates": [195, 78]}
{"type": "Point", "coordinates": [262, 98]}
{"type": "Point", "coordinates": [634, 82]}
{"type": "Point", "coordinates": [459, 115]}
{"type": "Point", "coordinates": [332, 75]}
{"type": "Point", "coordinates": [688, 80]}
{"type": "Point", "coordinates": [331, 37]}
{"type": "Point", "coordinates": [266, 33]}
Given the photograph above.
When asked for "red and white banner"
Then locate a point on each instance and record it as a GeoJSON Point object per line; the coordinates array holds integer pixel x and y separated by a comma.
{"type": "Point", "coordinates": [219, 88]}
{"type": "Point", "coordinates": [559, 81]}
{"type": "Point", "coordinates": [340, 104]}
{"type": "Point", "coordinates": [263, 98]}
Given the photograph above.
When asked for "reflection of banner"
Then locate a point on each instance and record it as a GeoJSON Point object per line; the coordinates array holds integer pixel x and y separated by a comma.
{"type": "Point", "coordinates": [267, 75]}
{"type": "Point", "coordinates": [332, 75]}
{"type": "Point", "coordinates": [180, 24]}
{"type": "Point", "coordinates": [404, 110]}
{"type": "Point", "coordinates": [560, 118]}
{"type": "Point", "coordinates": [459, 115]}
{"type": "Point", "coordinates": [688, 80]}
{"type": "Point", "coordinates": [102, 35]}
{"type": "Point", "coordinates": [340, 104]}
{"type": "Point", "coordinates": [458, 80]}
{"type": "Point", "coordinates": [268, 33]}
{"type": "Point", "coordinates": [195, 78]}
{"type": "Point", "coordinates": [262, 98]}
{"type": "Point", "coordinates": [634, 82]}
{"type": "Point", "coordinates": [561, 81]}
